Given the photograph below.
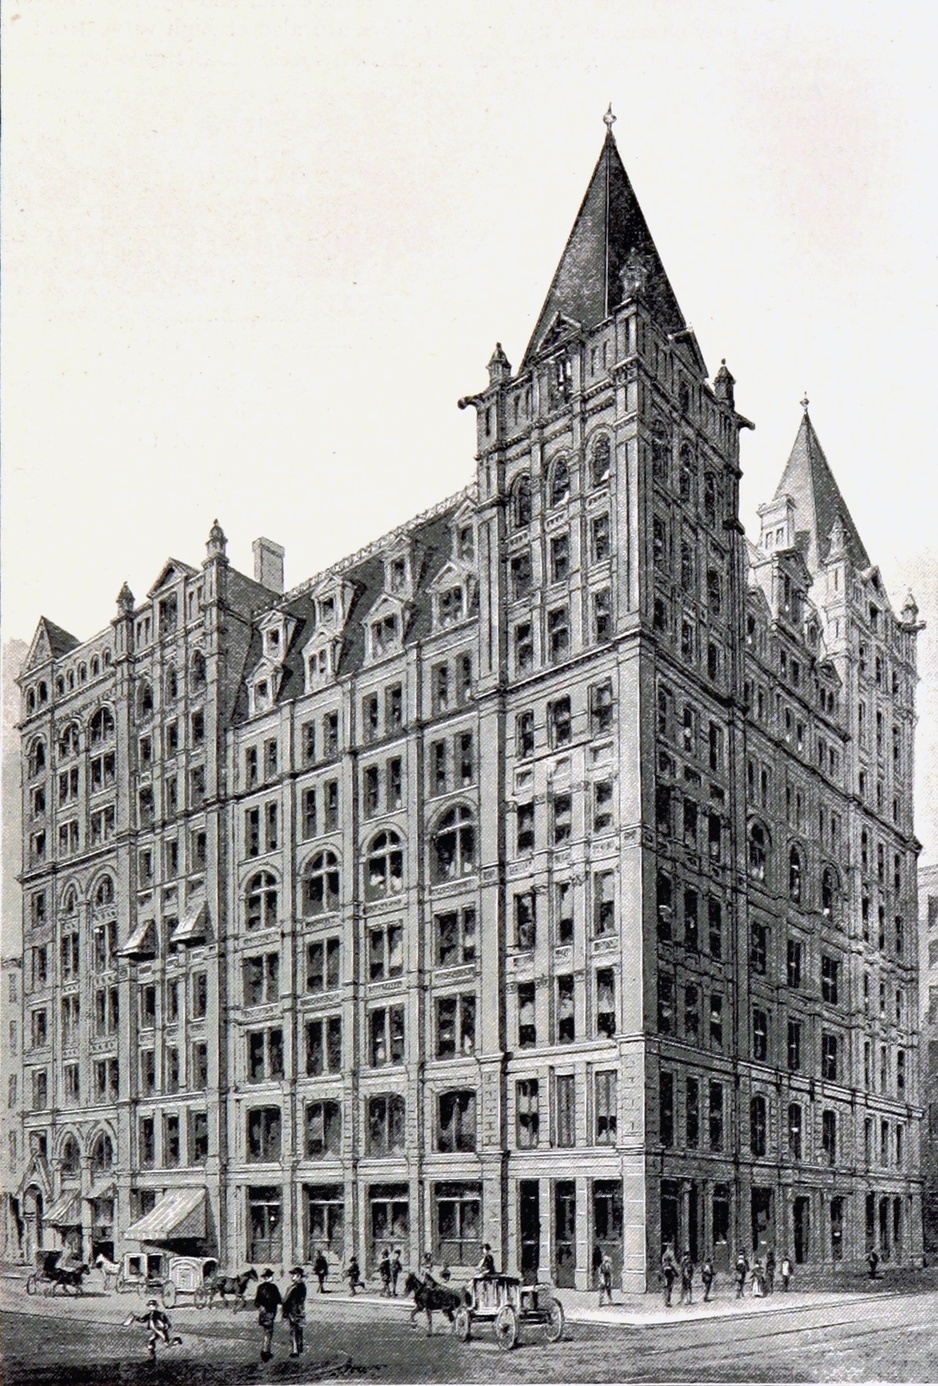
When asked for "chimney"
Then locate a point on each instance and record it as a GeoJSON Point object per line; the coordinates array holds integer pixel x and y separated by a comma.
{"type": "Point", "coordinates": [268, 564]}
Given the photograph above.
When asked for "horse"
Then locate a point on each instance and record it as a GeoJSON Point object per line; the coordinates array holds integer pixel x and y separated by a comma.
{"type": "Point", "coordinates": [109, 1269]}
{"type": "Point", "coordinates": [222, 1285]}
{"type": "Point", "coordinates": [430, 1297]}
{"type": "Point", "coordinates": [69, 1279]}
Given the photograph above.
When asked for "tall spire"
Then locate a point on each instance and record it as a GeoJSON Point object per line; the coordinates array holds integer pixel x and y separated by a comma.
{"type": "Point", "coordinates": [820, 509]}
{"type": "Point", "coordinates": [609, 256]}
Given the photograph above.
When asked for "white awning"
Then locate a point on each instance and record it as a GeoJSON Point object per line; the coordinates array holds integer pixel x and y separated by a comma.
{"type": "Point", "coordinates": [104, 1189]}
{"type": "Point", "coordinates": [65, 1211]}
{"type": "Point", "coordinates": [194, 927]}
{"type": "Point", "coordinates": [142, 942]}
{"type": "Point", "coordinates": [178, 1214]}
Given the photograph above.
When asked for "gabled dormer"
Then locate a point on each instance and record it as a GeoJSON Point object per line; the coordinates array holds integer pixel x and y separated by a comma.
{"type": "Point", "coordinates": [778, 524]}
{"type": "Point", "coordinates": [264, 687]}
{"type": "Point", "coordinates": [333, 605]}
{"type": "Point", "coordinates": [386, 626]}
{"type": "Point", "coordinates": [277, 629]}
{"type": "Point", "coordinates": [455, 594]}
{"type": "Point", "coordinates": [400, 574]}
{"type": "Point", "coordinates": [464, 539]}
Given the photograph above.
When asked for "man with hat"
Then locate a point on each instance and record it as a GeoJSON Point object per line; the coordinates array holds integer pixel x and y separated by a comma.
{"type": "Point", "coordinates": [158, 1324]}
{"type": "Point", "coordinates": [267, 1301]}
{"type": "Point", "coordinates": [487, 1264]}
{"type": "Point", "coordinates": [294, 1309]}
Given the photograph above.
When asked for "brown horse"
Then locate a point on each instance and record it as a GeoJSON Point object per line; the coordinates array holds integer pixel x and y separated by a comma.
{"type": "Point", "coordinates": [430, 1297]}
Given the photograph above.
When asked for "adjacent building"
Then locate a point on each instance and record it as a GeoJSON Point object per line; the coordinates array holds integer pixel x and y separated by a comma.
{"type": "Point", "coordinates": [543, 874]}
{"type": "Point", "coordinates": [928, 943]}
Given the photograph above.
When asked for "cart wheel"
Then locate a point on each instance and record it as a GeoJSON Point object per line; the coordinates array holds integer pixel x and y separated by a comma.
{"type": "Point", "coordinates": [506, 1327]}
{"type": "Point", "coordinates": [169, 1294]}
{"type": "Point", "coordinates": [555, 1321]}
{"type": "Point", "coordinates": [200, 1298]}
{"type": "Point", "coordinates": [462, 1324]}
{"type": "Point", "coordinates": [31, 1285]}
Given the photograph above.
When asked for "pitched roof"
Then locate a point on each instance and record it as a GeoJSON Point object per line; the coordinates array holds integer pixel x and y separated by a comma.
{"type": "Point", "coordinates": [609, 234]}
{"type": "Point", "coordinates": [809, 481]}
{"type": "Point", "coordinates": [49, 642]}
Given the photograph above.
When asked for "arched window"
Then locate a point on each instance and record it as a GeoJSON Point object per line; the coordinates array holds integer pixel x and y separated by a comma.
{"type": "Point", "coordinates": [60, 685]}
{"type": "Point", "coordinates": [37, 756]}
{"type": "Point", "coordinates": [795, 882]}
{"type": "Point", "coordinates": [82, 673]}
{"type": "Point", "coordinates": [660, 453]}
{"type": "Point", "coordinates": [70, 902]}
{"type": "Point", "coordinates": [714, 592]}
{"type": "Point", "coordinates": [144, 701]}
{"type": "Point", "coordinates": [171, 684]}
{"type": "Point", "coordinates": [95, 666]}
{"type": "Point", "coordinates": [559, 482]}
{"type": "Point", "coordinates": [69, 741]}
{"type": "Point", "coordinates": [197, 671]}
{"type": "Point", "coordinates": [31, 700]}
{"type": "Point", "coordinates": [521, 503]}
{"type": "Point", "coordinates": [71, 1158]}
{"type": "Point", "coordinates": [600, 461]}
{"type": "Point", "coordinates": [710, 498]}
{"type": "Point", "coordinates": [104, 895]}
{"type": "Point", "coordinates": [261, 901]}
{"type": "Point", "coordinates": [758, 1125]}
{"type": "Point", "coordinates": [321, 884]}
{"type": "Point", "coordinates": [43, 693]}
{"type": "Point", "coordinates": [828, 893]}
{"type": "Point", "coordinates": [687, 472]}
{"type": "Point", "coordinates": [454, 845]}
{"type": "Point", "coordinates": [102, 725]}
{"type": "Point", "coordinates": [384, 866]}
{"type": "Point", "coordinates": [758, 852]}
{"type": "Point", "coordinates": [102, 1155]}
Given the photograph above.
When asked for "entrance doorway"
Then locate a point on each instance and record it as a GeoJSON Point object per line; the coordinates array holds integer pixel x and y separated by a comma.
{"type": "Point", "coordinates": [325, 1222]}
{"type": "Point", "coordinates": [529, 1219]}
{"type": "Point", "coordinates": [671, 1216]}
{"type": "Point", "coordinates": [607, 1223]}
{"type": "Point", "coordinates": [763, 1220]}
{"type": "Point", "coordinates": [801, 1214]}
{"type": "Point", "coordinates": [565, 1234]}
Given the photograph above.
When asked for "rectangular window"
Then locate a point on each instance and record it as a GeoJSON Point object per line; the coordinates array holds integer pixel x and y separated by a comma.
{"type": "Point", "coordinates": [527, 1114]}
{"type": "Point", "coordinates": [524, 735]}
{"type": "Point", "coordinates": [331, 805]}
{"type": "Point", "coordinates": [324, 1045]}
{"type": "Point", "coordinates": [563, 898]}
{"type": "Point", "coordinates": [829, 1136]}
{"type": "Point", "coordinates": [601, 708]}
{"type": "Point", "coordinates": [665, 1003]}
{"type": "Point", "coordinates": [566, 1111]}
{"type": "Point", "coordinates": [830, 969]}
{"type": "Point", "coordinates": [395, 783]}
{"type": "Point", "coordinates": [794, 963]}
{"type": "Point", "coordinates": [794, 1046]}
{"type": "Point", "coordinates": [439, 682]}
{"type": "Point", "coordinates": [716, 1022]}
{"type": "Point", "coordinates": [566, 1013]}
{"type": "Point", "coordinates": [525, 920]}
{"type": "Point", "coordinates": [308, 813]}
{"type": "Point", "coordinates": [371, 723]}
{"type": "Point", "coordinates": [438, 767]}
{"type": "Point", "coordinates": [526, 827]}
{"type": "Point", "coordinates": [393, 708]}
{"type": "Point", "coordinates": [666, 1117]}
{"type": "Point", "coordinates": [558, 633]}
{"type": "Point", "coordinates": [604, 903]}
{"type": "Point", "coordinates": [716, 1116]}
{"type": "Point", "coordinates": [692, 1015]}
{"type": "Point", "coordinates": [455, 1026]}
{"type": "Point", "coordinates": [264, 1133]}
{"type": "Point", "coordinates": [466, 758]}
{"type": "Point", "coordinates": [715, 921]}
{"type": "Point", "coordinates": [527, 1030]}
{"type": "Point", "coordinates": [691, 937]}
{"type": "Point", "coordinates": [692, 1113]}
{"type": "Point", "coordinates": [456, 937]}
{"type": "Point", "coordinates": [199, 995]}
{"type": "Point", "coordinates": [561, 817]}
{"type": "Point", "coordinates": [252, 832]}
{"type": "Point", "coordinates": [758, 947]}
{"type": "Point", "coordinates": [198, 1138]}
{"type": "Point", "coordinates": [308, 743]}
{"type": "Point", "coordinates": [330, 735]}
{"type": "Point", "coordinates": [794, 1131]}
{"type": "Point", "coordinates": [385, 952]}
{"type": "Point", "coordinates": [199, 1068]}
{"type": "Point", "coordinates": [602, 614]}
{"type": "Point", "coordinates": [524, 646]}
{"type": "Point", "coordinates": [829, 1057]}
{"type": "Point", "coordinates": [323, 964]}
{"type": "Point", "coordinates": [323, 1129]}
{"type": "Point", "coordinates": [560, 558]}
{"type": "Point", "coordinates": [261, 976]}
{"type": "Point", "coordinates": [387, 1036]}
{"type": "Point", "coordinates": [370, 791]}
{"type": "Point", "coordinates": [760, 1035]}
{"type": "Point", "coordinates": [602, 806]}
{"type": "Point", "coordinates": [606, 1095]}
{"type": "Point", "coordinates": [146, 1141]}
{"type": "Point", "coordinates": [606, 1003]}
{"type": "Point", "coordinates": [385, 1133]}
{"type": "Point", "coordinates": [559, 723]}
{"type": "Point", "coordinates": [599, 538]}
{"type": "Point", "coordinates": [171, 1140]}
{"type": "Point", "coordinates": [456, 1126]}
{"type": "Point", "coordinates": [520, 575]}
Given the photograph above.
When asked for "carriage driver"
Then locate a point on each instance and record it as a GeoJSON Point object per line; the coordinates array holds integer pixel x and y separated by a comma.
{"type": "Point", "coordinates": [486, 1265]}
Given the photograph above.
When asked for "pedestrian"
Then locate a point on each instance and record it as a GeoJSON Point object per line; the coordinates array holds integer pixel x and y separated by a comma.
{"type": "Point", "coordinates": [354, 1276]}
{"type": "Point", "coordinates": [757, 1279]}
{"type": "Point", "coordinates": [159, 1326]}
{"type": "Point", "coordinates": [267, 1301]}
{"type": "Point", "coordinates": [605, 1277]}
{"type": "Point", "coordinates": [873, 1261]}
{"type": "Point", "coordinates": [784, 1271]}
{"type": "Point", "coordinates": [769, 1271]}
{"type": "Point", "coordinates": [741, 1270]}
{"type": "Point", "coordinates": [384, 1270]}
{"type": "Point", "coordinates": [321, 1270]}
{"type": "Point", "coordinates": [294, 1309]}
{"type": "Point", "coordinates": [396, 1269]}
{"type": "Point", "coordinates": [669, 1272]}
{"type": "Point", "coordinates": [486, 1265]}
{"type": "Point", "coordinates": [707, 1276]}
{"type": "Point", "coordinates": [687, 1277]}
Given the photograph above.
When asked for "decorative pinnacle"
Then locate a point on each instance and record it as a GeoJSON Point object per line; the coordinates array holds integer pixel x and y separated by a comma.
{"type": "Point", "coordinates": [609, 119]}
{"type": "Point", "coordinates": [805, 402]}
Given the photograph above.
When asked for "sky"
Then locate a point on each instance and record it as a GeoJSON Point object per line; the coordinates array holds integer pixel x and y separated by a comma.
{"type": "Point", "coordinates": [254, 253]}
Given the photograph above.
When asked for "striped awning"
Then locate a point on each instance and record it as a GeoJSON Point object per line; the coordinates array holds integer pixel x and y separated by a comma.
{"type": "Point", "coordinates": [194, 927]}
{"type": "Point", "coordinates": [142, 942]}
{"type": "Point", "coordinates": [178, 1214]}
{"type": "Point", "coordinates": [103, 1189]}
{"type": "Point", "coordinates": [65, 1211]}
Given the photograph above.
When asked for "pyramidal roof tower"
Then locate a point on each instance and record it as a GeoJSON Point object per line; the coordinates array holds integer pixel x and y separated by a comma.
{"type": "Point", "coordinates": [608, 256]}
{"type": "Point", "coordinates": [818, 503]}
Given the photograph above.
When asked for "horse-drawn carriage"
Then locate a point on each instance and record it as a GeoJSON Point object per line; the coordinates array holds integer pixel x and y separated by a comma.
{"type": "Point", "coordinates": [51, 1275]}
{"type": "Point", "coordinates": [504, 1301]}
{"type": "Point", "coordinates": [160, 1276]}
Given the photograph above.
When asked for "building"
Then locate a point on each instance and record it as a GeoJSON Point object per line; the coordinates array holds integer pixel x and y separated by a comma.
{"type": "Point", "coordinates": [928, 952]}
{"type": "Point", "coordinates": [11, 1224]}
{"type": "Point", "coordinates": [542, 874]}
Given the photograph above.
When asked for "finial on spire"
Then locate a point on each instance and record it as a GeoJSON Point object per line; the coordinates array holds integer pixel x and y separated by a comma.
{"type": "Point", "coordinates": [805, 402]}
{"type": "Point", "coordinates": [609, 120]}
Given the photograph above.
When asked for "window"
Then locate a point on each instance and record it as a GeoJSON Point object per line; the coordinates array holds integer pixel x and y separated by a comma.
{"type": "Point", "coordinates": [829, 1136]}
{"type": "Point", "coordinates": [602, 806]}
{"type": "Point", "coordinates": [599, 538]}
{"type": "Point", "coordinates": [794, 963]}
{"type": "Point", "coordinates": [691, 936]}
{"type": "Point", "coordinates": [559, 490]}
{"type": "Point", "coordinates": [558, 633]}
{"type": "Point", "coordinates": [604, 903]}
{"type": "Point", "coordinates": [830, 971]}
{"type": "Point", "coordinates": [758, 1126]}
{"type": "Point", "coordinates": [261, 977]}
{"type": "Point", "coordinates": [455, 1026]}
{"type": "Point", "coordinates": [600, 461]}
{"type": "Point", "coordinates": [200, 994]}
{"type": "Point", "coordinates": [324, 1045]}
{"type": "Point", "coordinates": [384, 866]}
{"type": "Point", "coordinates": [566, 1110]}
{"type": "Point", "coordinates": [664, 907]}
{"type": "Point", "coordinates": [520, 575]}
{"type": "Point", "coordinates": [561, 817]}
{"type": "Point", "coordinates": [665, 1003]}
{"type": "Point", "coordinates": [716, 1021]}
{"type": "Point", "coordinates": [438, 774]}
{"type": "Point", "coordinates": [456, 937]}
{"type": "Point", "coordinates": [146, 1142]}
{"type": "Point", "coordinates": [563, 900]}
{"type": "Point", "coordinates": [465, 758]}
{"type": "Point", "coordinates": [263, 1133]}
{"type": "Point", "coordinates": [386, 1030]}
{"type": "Point", "coordinates": [559, 723]}
{"type": "Point", "coordinates": [692, 1015]}
{"type": "Point", "coordinates": [525, 827]}
{"type": "Point", "coordinates": [606, 1003]}
{"type": "Point", "coordinates": [527, 1115]}
{"type": "Point", "coordinates": [692, 1113]}
{"type": "Point", "coordinates": [385, 952]}
{"type": "Point", "coordinates": [199, 1066]}
{"type": "Point", "coordinates": [566, 1019]}
{"type": "Point", "coordinates": [794, 1046]}
{"type": "Point", "coordinates": [453, 845]}
{"type": "Point", "coordinates": [760, 1035]}
{"type": "Point", "coordinates": [829, 1057]}
{"type": "Point", "coordinates": [456, 1128]}
{"type": "Point", "coordinates": [560, 558]}
{"type": "Point", "coordinates": [524, 646]}
{"type": "Point", "coordinates": [758, 852]}
{"type": "Point", "coordinates": [323, 958]}
{"type": "Point", "coordinates": [827, 893]}
{"type": "Point", "coordinates": [385, 1134]}
{"type": "Point", "coordinates": [794, 876]}
{"type": "Point", "coordinates": [606, 1108]}
{"type": "Point", "coordinates": [521, 503]}
{"type": "Point", "coordinates": [716, 1116]}
{"type": "Point", "coordinates": [171, 1140]}
{"type": "Point", "coordinates": [525, 920]}
{"type": "Point", "coordinates": [758, 947]}
{"type": "Point", "coordinates": [198, 1138]}
{"type": "Point", "coordinates": [261, 901]}
{"type": "Point", "coordinates": [320, 886]}
{"type": "Point", "coordinates": [667, 1109]}
{"type": "Point", "coordinates": [147, 1072]}
{"type": "Point", "coordinates": [527, 1030]}
{"type": "Point", "coordinates": [715, 925]}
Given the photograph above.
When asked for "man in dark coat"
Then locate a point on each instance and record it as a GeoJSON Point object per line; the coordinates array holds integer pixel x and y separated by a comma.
{"type": "Point", "coordinates": [384, 1270]}
{"type": "Point", "coordinates": [321, 1269]}
{"type": "Point", "coordinates": [396, 1269]}
{"type": "Point", "coordinates": [267, 1301]}
{"type": "Point", "coordinates": [294, 1309]}
{"type": "Point", "coordinates": [159, 1326]}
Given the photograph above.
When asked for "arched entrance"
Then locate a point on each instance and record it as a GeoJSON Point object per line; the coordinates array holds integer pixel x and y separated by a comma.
{"type": "Point", "coordinates": [32, 1221]}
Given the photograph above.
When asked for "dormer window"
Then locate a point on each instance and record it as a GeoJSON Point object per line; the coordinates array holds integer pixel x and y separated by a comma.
{"type": "Point", "coordinates": [327, 611]}
{"type": "Point", "coordinates": [273, 642]}
{"type": "Point", "coordinates": [466, 544]}
{"type": "Point", "coordinates": [384, 636]}
{"type": "Point", "coordinates": [452, 606]}
{"type": "Point", "coordinates": [262, 695]}
{"type": "Point", "coordinates": [318, 667]}
{"type": "Point", "coordinates": [397, 574]}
